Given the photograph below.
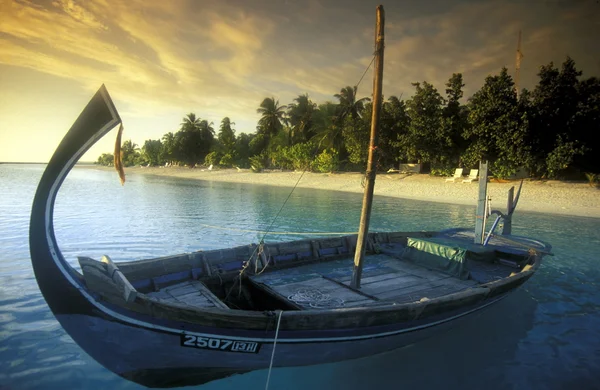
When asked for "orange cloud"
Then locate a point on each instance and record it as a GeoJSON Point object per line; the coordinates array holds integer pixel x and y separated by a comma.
{"type": "Point", "coordinates": [221, 59]}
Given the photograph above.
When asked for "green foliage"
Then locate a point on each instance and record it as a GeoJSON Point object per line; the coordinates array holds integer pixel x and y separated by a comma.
{"type": "Point", "coordinates": [329, 134]}
{"type": "Point", "coordinates": [586, 125]}
{"type": "Point", "coordinates": [300, 116]}
{"type": "Point", "coordinates": [258, 162]}
{"type": "Point", "coordinates": [497, 131]}
{"type": "Point", "coordinates": [227, 160]}
{"type": "Point", "coordinates": [503, 169]}
{"type": "Point", "coordinates": [425, 138]}
{"type": "Point", "coordinates": [213, 158]}
{"type": "Point", "coordinates": [559, 120]}
{"type": "Point", "coordinates": [226, 136]}
{"type": "Point", "coordinates": [454, 124]}
{"type": "Point", "coordinates": [593, 179]}
{"type": "Point", "coordinates": [561, 157]}
{"type": "Point", "coordinates": [356, 136]}
{"type": "Point", "coordinates": [327, 161]}
{"type": "Point", "coordinates": [297, 157]}
{"type": "Point", "coordinates": [152, 152]}
{"type": "Point", "coordinates": [551, 130]}
{"type": "Point", "coordinates": [130, 154]}
{"type": "Point", "coordinates": [243, 150]}
{"type": "Point", "coordinates": [348, 104]}
{"type": "Point", "coordinates": [258, 144]}
{"type": "Point", "coordinates": [441, 169]}
{"type": "Point", "coordinates": [394, 127]}
{"type": "Point", "coordinates": [270, 122]}
{"type": "Point", "coordinates": [194, 141]}
{"type": "Point", "coordinates": [301, 155]}
{"type": "Point", "coordinates": [106, 159]}
{"type": "Point", "coordinates": [169, 150]}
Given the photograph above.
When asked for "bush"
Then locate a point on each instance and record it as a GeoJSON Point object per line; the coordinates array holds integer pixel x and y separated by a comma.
{"type": "Point", "coordinates": [443, 168]}
{"type": "Point", "coordinates": [257, 163]}
{"type": "Point", "coordinates": [503, 169]}
{"type": "Point", "coordinates": [106, 159]}
{"type": "Point", "coordinates": [593, 179]}
{"type": "Point", "coordinates": [327, 161]}
{"type": "Point", "coordinates": [227, 160]}
{"type": "Point", "coordinates": [212, 158]}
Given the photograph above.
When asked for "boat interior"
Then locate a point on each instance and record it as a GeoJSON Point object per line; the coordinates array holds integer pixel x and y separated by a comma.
{"type": "Point", "coordinates": [314, 274]}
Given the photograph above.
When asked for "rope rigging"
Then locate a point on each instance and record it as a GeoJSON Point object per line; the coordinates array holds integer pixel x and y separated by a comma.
{"type": "Point", "coordinates": [259, 250]}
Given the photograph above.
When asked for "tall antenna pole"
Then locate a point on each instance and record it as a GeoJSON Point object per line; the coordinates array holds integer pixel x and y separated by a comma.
{"type": "Point", "coordinates": [365, 215]}
{"type": "Point", "coordinates": [518, 65]}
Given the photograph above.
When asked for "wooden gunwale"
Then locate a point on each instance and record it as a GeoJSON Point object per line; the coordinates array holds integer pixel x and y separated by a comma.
{"type": "Point", "coordinates": [341, 318]}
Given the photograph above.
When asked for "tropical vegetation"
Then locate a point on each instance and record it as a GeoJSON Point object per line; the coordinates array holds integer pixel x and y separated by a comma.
{"type": "Point", "coordinates": [549, 131]}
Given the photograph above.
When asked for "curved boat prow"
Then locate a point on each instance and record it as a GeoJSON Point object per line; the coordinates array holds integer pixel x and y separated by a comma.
{"type": "Point", "coordinates": [56, 279]}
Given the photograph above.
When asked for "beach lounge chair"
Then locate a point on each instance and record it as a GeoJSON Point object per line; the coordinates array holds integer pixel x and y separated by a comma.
{"type": "Point", "coordinates": [472, 176]}
{"type": "Point", "coordinates": [457, 175]}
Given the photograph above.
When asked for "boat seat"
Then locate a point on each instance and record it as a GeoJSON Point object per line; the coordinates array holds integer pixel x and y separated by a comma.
{"type": "Point", "coordinates": [191, 293]}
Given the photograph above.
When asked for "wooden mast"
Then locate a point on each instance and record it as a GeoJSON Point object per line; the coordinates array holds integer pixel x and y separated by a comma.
{"type": "Point", "coordinates": [371, 164]}
{"type": "Point", "coordinates": [518, 66]}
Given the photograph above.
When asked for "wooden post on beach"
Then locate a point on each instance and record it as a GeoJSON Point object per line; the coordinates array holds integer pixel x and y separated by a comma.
{"type": "Point", "coordinates": [365, 216]}
{"type": "Point", "coordinates": [482, 211]}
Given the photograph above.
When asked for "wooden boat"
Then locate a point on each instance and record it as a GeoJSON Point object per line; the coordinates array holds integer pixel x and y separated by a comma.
{"type": "Point", "coordinates": [194, 317]}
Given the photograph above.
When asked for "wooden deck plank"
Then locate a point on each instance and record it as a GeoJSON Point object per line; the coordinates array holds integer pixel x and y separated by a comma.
{"type": "Point", "coordinates": [445, 286]}
{"type": "Point", "coordinates": [408, 290]}
{"type": "Point", "coordinates": [322, 286]}
{"type": "Point", "coordinates": [315, 292]}
{"type": "Point", "coordinates": [386, 278]}
{"type": "Point", "coordinates": [196, 299]}
{"type": "Point", "coordinates": [399, 281]}
{"type": "Point", "coordinates": [382, 278]}
{"type": "Point", "coordinates": [180, 289]}
{"type": "Point", "coordinates": [190, 292]}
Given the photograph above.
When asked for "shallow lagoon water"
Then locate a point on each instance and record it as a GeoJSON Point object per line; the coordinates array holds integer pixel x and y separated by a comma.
{"type": "Point", "coordinates": [544, 336]}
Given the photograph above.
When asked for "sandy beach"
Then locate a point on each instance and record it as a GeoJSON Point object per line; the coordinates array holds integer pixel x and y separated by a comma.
{"type": "Point", "coordinates": [552, 197]}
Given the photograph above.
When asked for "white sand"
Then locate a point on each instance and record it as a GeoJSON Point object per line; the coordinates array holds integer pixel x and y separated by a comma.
{"type": "Point", "coordinates": [552, 197]}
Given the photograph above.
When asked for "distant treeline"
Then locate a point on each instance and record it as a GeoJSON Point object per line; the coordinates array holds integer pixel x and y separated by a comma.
{"type": "Point", "coordinates": [550, 131]}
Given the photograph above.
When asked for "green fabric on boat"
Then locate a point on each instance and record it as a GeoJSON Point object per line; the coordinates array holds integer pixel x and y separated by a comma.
{"type": "Point", "coordinates": [448, 259]}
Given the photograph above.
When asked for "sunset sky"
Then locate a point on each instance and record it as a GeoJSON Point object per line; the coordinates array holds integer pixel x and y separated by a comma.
{"type": "Point", "coordinates": [163, 59]}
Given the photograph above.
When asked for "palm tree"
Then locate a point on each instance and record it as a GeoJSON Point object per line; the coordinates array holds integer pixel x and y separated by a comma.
{"type": "Point", "coordinates": [348, 104]}
{"type": "Point", "coordinates": [129, 153]}
{"type": "Point", "coordinates": [227, 136]}
{"type": "Point", "coordinates": [272, 116]}
{"type": "Point", "coordinates": [270, 122]}
{"type": "Point", "coordinates": [329, 134]}
{"type": "Point", "coordinates": [300, 115]}
{"type": "Point", "coordinates": [190, 122]}
{"type": "Point", "coordinates": [169, 151]}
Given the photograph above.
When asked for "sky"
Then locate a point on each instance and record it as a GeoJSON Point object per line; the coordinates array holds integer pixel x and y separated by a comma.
{"type": "Point", "coordinates": [163, 59]}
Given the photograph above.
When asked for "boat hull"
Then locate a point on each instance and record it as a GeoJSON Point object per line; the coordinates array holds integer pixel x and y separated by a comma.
{"type": "Point", "coordinates": [158, 358]}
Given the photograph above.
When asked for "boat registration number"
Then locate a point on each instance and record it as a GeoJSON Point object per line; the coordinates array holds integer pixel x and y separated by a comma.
{"type": "Point", "coordinates": [219, 344]}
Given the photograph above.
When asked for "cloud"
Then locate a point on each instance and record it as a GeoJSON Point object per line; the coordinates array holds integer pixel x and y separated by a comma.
{"type": "Point", "coordinates": [223, 58]}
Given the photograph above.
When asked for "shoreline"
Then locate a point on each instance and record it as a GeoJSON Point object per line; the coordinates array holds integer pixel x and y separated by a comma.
{"type": "Point", "coordinates": [549, 197]}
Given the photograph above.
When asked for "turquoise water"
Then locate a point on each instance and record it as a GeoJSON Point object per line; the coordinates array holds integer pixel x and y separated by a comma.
{"type": "Point", "coordinates": [545, 336]}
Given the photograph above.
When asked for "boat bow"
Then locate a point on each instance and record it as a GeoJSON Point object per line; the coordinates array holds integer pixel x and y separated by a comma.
{"type": "Point", "coordinates": [59, 283]}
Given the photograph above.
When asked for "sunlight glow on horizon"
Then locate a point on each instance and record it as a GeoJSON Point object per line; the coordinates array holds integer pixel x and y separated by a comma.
{"type": "Point", "coordinates": [162, 60]}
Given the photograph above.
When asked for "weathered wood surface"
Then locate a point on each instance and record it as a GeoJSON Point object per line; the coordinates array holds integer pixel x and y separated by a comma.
{"type": "Point", "coordinates": [129, 292]}
{"type": "Point", "coordinates": [104, 277]}
{"type": "Point", "coordinates": [313, 291]}
{"type": "Point", "coordinates": [191, 293]}
{"type": "Point", "coordinates": [384, 279]}
{"type": "Point", "coordinates": [375, 313]}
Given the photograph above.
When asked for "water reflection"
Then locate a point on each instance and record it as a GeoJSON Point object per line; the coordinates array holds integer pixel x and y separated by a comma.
{"type": "Point", "coordinates": [546, 335]}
